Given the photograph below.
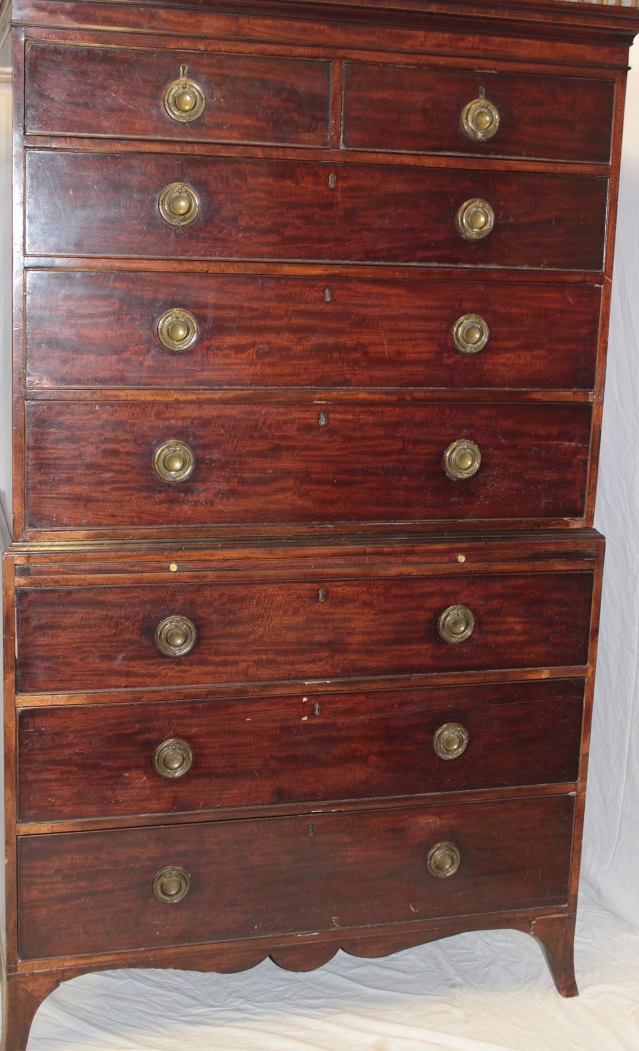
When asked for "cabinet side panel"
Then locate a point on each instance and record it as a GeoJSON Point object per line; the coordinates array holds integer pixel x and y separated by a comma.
{"type": "Point", "coordinates": [5, 275]}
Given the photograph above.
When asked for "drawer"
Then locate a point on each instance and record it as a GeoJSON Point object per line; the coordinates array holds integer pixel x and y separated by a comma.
{"type": "Point", "coordinates": [330, 331]}
{"type": "Point", "coordinates": [91, 204]}
{"type": "Point", "coordinates": [212, 755]}
{"type": "Point", "coordinates": [276, 101]}
{"type": "Point", "coordinates": [103, 465]}
{"type": "Point", "coordinates": [94, 892]}
{"type": "Point", "coordinates": [415, 110]}
{"type": "Point", "coordinates": [104, 637]}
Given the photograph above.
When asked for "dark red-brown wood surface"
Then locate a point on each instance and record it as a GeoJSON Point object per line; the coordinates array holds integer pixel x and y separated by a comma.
{"type": "Point", "coordinates": [406, 108]}
{"type": "Point", "coordinates": [83, 638]}
{"type": "Point", "coordinates": [107, 205]}
{"type": "Point", "coordinates": [90, 465]}
{"type": "Point", "coordinates": [275, 331]}
{"type": "Point", "coordinates": [294, 749]}
{"type": "Point", "coordinates": [74, 90]}
{"type": "Point", "coordinates": [92, 892]}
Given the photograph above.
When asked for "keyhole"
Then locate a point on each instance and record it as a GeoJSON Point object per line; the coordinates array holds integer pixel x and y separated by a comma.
{"type": "Point", "coordinates": [323, 419]}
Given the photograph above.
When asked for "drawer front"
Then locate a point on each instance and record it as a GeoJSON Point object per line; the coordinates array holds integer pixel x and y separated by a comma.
{"type": "Point", "coordinates": [305, 332]}
{"type": "Point", "coordinates": [121, 92]}
{"type": "Point", "coordinates": [92, 465]}
{"type": "Point", "coordinates": [100, 638]}
{"type": "Point", "coordinates": [93, 892]}
{"type": "Point", "coordinates": [413, 110]}
{"type": "Point", "coordinates": [107, 205]}
{"type": "Point", "coordinates": [120, 760]}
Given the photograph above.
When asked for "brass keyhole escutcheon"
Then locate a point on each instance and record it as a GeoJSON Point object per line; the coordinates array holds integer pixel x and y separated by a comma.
{"type": "Point", "coordinates": [462, 460]}
{"type": "Point", "coordinates": [173, 758]}
{"type": "Point", "coordinates": [456, 624]}
{"type": "Point", "coordinates": [184, 100]}
{"type": "Point", "coordinates": [177, 330]}
{"type": "Point", "coordinates": [443, 860]}
{"type": "Point", "coordinates": [450, 741]}
{"type": "Point", "coordinates": [175, 636]}
{"type": "Point", "coordinates": [171, 885]}
{"type": "Point", "coordinates": [179, 204]}
{"type": "Point", "coordinates": [470, 334]}
{"type": "Point", "coordinates": [173, 461]}
{"type": "Point", "coordinates": [475, 219]}
{"type": "Point", "coordinates": [480, 120]}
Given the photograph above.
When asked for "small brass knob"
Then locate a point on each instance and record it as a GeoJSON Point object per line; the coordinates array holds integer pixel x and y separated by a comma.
{"type": "Point", "coordinates": [173, 758]}
{"type": "Point", "coordinates": [456, 624]}
{"type": "Point", "coordinates": [462, 460]}
{"type": "Point", "coordinates": [173, 461]}
{"type": "Point", "coordinates": [475, 219]}
{"type": "Point", "coordinates": [443, 860]}
{"type": "Point", "coordinates": [177, 330]}
{"type": "Point", "coordinates": [450, 741]}
{"type": "Point", "coordinates": [179, 204]}
{"type": "Point", "coordinates": [175, 636]}
{"type": "Point", "coordinates": [171, 885]}
{"type": "Point", "coordinates": [470, 334]}
{"type": "Point", "coordinates": [480, 120]}
{"type": "Point", "coordinates": [184, 100]}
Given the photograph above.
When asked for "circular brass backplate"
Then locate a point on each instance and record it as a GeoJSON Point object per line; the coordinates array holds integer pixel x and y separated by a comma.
{"type": "Point", "coordinates": [184, 100]}
{"type": "Point", "coordinates": [179, 204]}
{"type": "Point", "coordinates": [177, 330]}
{"type": "Point", "coordinates": [443, 860]}
{"type": "Point", "coordinates": [480, 120]}
{"type": "Point", "coordinates": [450, 740]}
{"type": "Point", "coordinates": [462, 460]}
{"type": "Point", "coordinates": [171, 885]}
{"type": "Point", "coordinates": [456, 624]}
{"type": "Point", "coordinates": [173, 461]}
{"type": "Point", "coordinates": [475, 219]}
{"type": "Point", "coordinates": [173, 758]}
{"type": "Point", "coordinates": [470, 334]}
{"type": "Point", "coordinates": [175, 636]}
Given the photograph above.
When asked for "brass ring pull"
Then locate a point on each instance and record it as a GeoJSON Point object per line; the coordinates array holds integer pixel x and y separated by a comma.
{"type": "Point", "coordinates": [177, 330]}
{"type": "Point", "coordinates": [175, 636]}
{"type": "Point", "coordinates": [470, 334]}
{"type": "Point", "coordinates": [173, 758]}
{"type": "Point", "coordinates": [184, 100]}
{"type": "Point", "coordinates": [475, 219]}
{"type": "Point", "coordinates": [456, 624]}
{"type": "Point", "coordinates": [443, 860]}
{"type": "Point", "coordinates": [171, 885]}
{"type": "Point", "coordinates": [173, 461]}
{"type": "Point", "coordinates": [462, 460]}
{"type": "Point", "coordinates": [450, 741]}
{"type": "Point", "coordinates": [179, 204]}
{"type": "Point", "coordinates": [480, 120]}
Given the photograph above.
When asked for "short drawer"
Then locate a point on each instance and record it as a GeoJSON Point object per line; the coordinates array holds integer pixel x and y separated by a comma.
{"type": "Point", "coordinates": [100, 638]}
{"type": "Point", "coordinates": [102, 892]}
{"type": "Point", "coordinates": [418, 110]}
{"type": "Point", "coordinates": [250, 331]}
{"type": "Point", "coordinates": [104, 465]}
{"type": "Point", "coordinates": [213, 755]}
{"type": "Point", "coordinates": [124, 92]}
{"type": "Point", "coordinates": [90, 204]}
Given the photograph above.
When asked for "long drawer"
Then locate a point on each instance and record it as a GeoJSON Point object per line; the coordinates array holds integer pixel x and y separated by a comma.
{"type": "Point", "coordinates": [214, 755]}
{"type": "Point", "coordinates": [91, 204]}
{"type": "Point", "coordinates": [253, 331]}
{"type": "Point", "coordinates": [112, 637]}
{"type": "Point", "coordinates": [301, 462]}
{"type": "Point", "coordinates": [107, 891]}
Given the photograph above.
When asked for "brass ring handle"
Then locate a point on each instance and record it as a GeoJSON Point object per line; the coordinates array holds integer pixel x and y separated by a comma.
{"type": "Point", "coordinates": [184, 100]}
{"type": "Point", "coordinates": [177, 330]}
{"type": "Point", "coordinates": [480, 120]}
{"type": "Point", "coordinates": [456, 624]}
{"type": "Point", "coordinates": [475, 219]}
{"type": "Point", "coordinates": [470, 334]}
{"type": "Point", "coordinates": [173, 758]}
{"type": "Point", "coordinates": [443, 860]}
{"type": "Point", "coordinates": [175, 636]}
{"type": "Point", "coordinates": [171, 885]}
{"type": "Point", "coordinates": [173, 461]}
{"type": "Point", "coordinates": [450, 741]}
{"type": "Point", "coordinates": [462, 460]}
{"type": "Point", "coordinates": [179, 204]}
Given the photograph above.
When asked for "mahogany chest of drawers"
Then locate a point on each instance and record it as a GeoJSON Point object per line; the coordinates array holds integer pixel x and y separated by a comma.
{"type": "Point", "coordinates": [301, 586]}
